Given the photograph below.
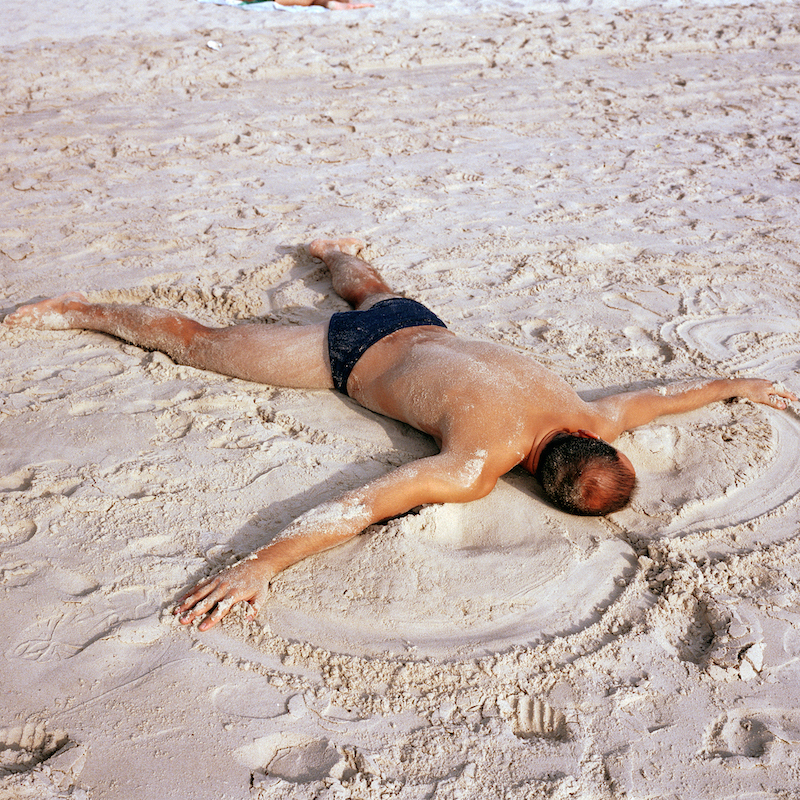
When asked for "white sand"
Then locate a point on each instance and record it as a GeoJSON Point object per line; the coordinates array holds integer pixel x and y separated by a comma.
{"type": "Point", "coordinates": [615, 193]}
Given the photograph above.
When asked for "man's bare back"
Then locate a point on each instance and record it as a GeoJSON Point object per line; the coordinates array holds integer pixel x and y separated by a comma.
{"type": "Point", "coordinates": [488, 407]}
{"type": "Point", "coordinates": [472, 397]}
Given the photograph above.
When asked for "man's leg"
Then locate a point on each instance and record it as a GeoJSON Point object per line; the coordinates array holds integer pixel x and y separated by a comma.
{"type": "Point", "coordinates": [280, 355]}
{"type": "Point", "coordinates": [353, 278]}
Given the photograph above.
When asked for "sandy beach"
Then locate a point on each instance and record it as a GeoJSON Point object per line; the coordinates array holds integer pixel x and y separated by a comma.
{"type": "Point", "coordinates": [614, 192]}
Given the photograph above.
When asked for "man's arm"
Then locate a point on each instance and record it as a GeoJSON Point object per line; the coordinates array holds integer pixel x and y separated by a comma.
{"type": "Point", "coordinates": [623, 412]}
{"type": "Point", "coordinates": [438, 479]}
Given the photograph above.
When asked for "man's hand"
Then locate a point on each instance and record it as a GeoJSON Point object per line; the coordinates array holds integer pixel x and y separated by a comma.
{"type": "Point", "coordinates": [765, 392]}
{"type": "Point", "coordinates": [246, 581]}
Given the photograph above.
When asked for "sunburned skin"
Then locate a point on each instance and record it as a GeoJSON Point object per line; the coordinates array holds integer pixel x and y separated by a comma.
{"type": "Point", "coordinates": [488, 407]}
{"type": "Point", "coordinates": [470, 395]}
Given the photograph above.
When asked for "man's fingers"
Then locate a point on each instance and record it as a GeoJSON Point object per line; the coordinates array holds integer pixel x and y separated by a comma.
{"type": "Point", "coordinates": [759, 390]}
{"type": "Point", "coordinates": [224, 605]}
{"type": "Point", "coordinates": [775, 393]}
{"type": "Point", "coordinates": [783, 393]}
{"type": "Point", "coordinates": [204, 606]}
{"type": "Point", "coordinates": [257, 601]}
{"type": "Point", "coordinates": [246, 581]}
{"type": "Point", "coordinates": [201, 590]}
{"type": "Point", "coordinates": [201, 599]}
{"type": "Point", "coordinates": [216, 597]}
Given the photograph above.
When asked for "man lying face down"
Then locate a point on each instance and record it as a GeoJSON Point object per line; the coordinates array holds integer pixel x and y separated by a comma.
{"type": "Point", "coordinates": [488, 407]}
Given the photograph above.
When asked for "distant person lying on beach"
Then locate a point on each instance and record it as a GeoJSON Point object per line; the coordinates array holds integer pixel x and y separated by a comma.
{"type": "Point", "coordinates": [488, 407]}
{"type": "Point", "coordinates": [332, 5]}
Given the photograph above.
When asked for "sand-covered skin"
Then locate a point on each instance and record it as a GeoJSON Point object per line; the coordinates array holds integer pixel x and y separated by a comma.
{"type": "Point", "coordinates": [615, 194]}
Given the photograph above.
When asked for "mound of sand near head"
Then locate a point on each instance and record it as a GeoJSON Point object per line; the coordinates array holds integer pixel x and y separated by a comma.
{"type": "Point", "coordinates": [614, 194]}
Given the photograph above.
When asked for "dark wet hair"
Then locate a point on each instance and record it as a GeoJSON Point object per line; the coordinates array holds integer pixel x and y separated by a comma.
{"type": "Point", "coordinates": [584, 476]}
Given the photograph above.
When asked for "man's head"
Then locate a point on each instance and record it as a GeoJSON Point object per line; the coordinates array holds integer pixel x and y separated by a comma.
{"type": "Point", "coordinates": [582, 474]}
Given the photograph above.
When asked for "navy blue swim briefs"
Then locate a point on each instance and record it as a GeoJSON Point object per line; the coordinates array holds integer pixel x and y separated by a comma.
{"type": "Point", "coordinates": [352, 333]}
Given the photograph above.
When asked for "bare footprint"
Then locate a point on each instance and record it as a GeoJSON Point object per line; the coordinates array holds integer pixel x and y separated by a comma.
{"type": "Point", "coordinates": [534, 717]}
{"type": "Point", "coordinates": [24, 746]}
{"type": "Point", "coordinates": [36, 762]}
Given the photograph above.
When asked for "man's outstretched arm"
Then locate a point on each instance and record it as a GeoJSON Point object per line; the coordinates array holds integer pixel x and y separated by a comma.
{"type": "Point", "coordinates": [624, 412]}
{"type": "Point", "coordinates": [438, 479]}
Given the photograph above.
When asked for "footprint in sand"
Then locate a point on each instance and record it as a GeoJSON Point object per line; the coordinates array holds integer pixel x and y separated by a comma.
{"type": "Point", "coordinates": [17, 481]}
{"type": "Point", "coordinates": [38, 762]}
{"type": "Point", "coordinates": [17, 532]}
{"type": "Point", "coordinates": [88, 618]}
{"type": "Point", "coordinates": [745, 738]}
{"type": "Point", "coordinates": [291, 757]}
{"type": "Point", "coordinates": [533, 717]}
{"type": "Point", "coordinates": [737, 739]}
{"type": "Point", "coordinates": [24, 746]}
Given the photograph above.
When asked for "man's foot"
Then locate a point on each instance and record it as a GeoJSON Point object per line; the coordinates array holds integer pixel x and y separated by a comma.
{"type": "Point", "coordinates": [320, 248]}
{"type": "Point", "coordinates": [52, 315]}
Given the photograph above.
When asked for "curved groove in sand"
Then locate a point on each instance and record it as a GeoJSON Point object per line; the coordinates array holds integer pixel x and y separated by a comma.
{"type": "Point", "coordinates": [774, 488]}
{"type": "Point", "coordinates": [734, 493]}
{"type": "Point", "coordinates": [456, 582]}
{"type": "Point", "coordinates": [770, 345]}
